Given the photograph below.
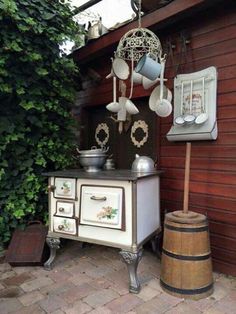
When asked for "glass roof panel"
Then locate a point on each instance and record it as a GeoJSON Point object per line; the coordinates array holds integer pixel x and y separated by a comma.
{"type": "Point", "coordinates": [112, 12]}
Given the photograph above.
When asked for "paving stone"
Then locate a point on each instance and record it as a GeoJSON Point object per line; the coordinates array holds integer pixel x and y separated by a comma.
{"type": "Point", "coordinates": [58, 312]}
{"type": "Point", "coordinates": [117, 264]}
{"type": "Point", "coordinates": [9, 305]}
{"type": "Point", "coordinates": [212, 311]}
{"type": "Point", "coordinates": [36, 284]}
{"type": "Point", "coordinates": [52, 303]}
{"type": "Point", "coordinates": [122, 290]}
{"type": "Point", "coordinates": [77, 293]}
{"type": "Point", "coordinates": [96, 272]}
{"type": "Point", "coordinates": [64, 264]}
{"type": "Point", "coordinates": [31, 298]}
{"type": "Point", "coordinates": [32, 309]}
{"type": "Point", "coordinates": [40, 271]}
{"type": "Point", "coordinates": [155, 284]}
{"type": "Point", "coordinates": [78, 308]}
{"type": "Point", "coordinates": [145, 278]}
{"type": "Point", "coordinates": [101, 283]}
{"type": "Point", "coordinates": [7, 274]}
{"type": "Point", "coordinates": [168, 298]}
{"type": "Point", "coordinates": [161, 303]}
{"type": "Point", "coordinates": [183, 308]}
{"type": "Point", "coordinates": [24, 269]}
{"type": "Point", "coordinates": [124, 303]}
{"type": "Point", "coordinates": [99, 261]}
{"type": "Point", "coordinates": [5, 267]}
{"type": "Point", "coordinates": [59, 275]}
{"type": "Point", "coordinates": [17, 280]}
{"type": "Point", "coordinates": [232, 295]}
{"type": "Point", "coordinates": [119, 278]}
{"type": "Point", "coordinates": [225, 305]}
{"type": "Point", "coordinates": [80, 267]}
{"type": "Point", "coordinates": [202, 304]}
{"type": "Point", "coordinates": [70, 283]}
{"type": "Point", "coordinates": [220, 291]}
{"type": "Point", "coordinates": [79, 279]}
{"type": "Point", "coordinates": [101, 297]}
{"type": "Point", "coordinates": [111, 253]}
{"type": "Point", "coordinates": [147, 293]}
{"type": "Point", "coordinates": [225, 281]}
{"type": "Point", "coordinates": [101, 310]}
{"type": "Point", "coordinates": [57, 288]}
{"type": "Point", "coordinates": [10, 292]}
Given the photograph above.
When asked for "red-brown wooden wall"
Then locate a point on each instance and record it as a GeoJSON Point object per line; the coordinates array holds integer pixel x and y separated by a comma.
{"type": "Point", "coordinates": [212, 37]}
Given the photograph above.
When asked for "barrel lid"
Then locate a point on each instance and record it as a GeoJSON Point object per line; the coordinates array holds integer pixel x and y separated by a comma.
{"type": "Point", "coordinates": [186, 218]}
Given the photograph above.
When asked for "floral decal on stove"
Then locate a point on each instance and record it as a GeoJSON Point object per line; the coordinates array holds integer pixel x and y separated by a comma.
{"type": "Point", "coordinates": [107, 212]}
{"type": "Point", "coordinates": [66, 187]}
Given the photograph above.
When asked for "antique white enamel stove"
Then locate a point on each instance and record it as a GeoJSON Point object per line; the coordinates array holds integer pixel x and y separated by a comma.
{"type": "Point", "coordinates": [117, 208]}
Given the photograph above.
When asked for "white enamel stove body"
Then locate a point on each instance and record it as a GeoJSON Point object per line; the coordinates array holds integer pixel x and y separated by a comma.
{"type": "Point", "coordinates": [117, 213]}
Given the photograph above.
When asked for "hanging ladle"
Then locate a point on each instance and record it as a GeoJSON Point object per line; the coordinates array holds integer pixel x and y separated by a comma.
{"type": "Point", "coordinates": [202, 117]}
{"type": "Point", "coordinates": [190, 118]}
{"type": "Point", "coordinates": [163, 106]}
{"type": "Point", "coordinates": [180, 119]}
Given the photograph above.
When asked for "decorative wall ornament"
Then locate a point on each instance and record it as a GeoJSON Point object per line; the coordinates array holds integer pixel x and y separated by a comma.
{"type": "Point", "coordinates": [140, 124]}
{"type": "Point", "coordinates": [102, 127]}
{"type": "Point", "coordinates": [195, 101]}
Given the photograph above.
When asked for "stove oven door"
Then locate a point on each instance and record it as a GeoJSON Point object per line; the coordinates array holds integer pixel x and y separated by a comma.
{"type": "Point", "coordinates": [102, 206]}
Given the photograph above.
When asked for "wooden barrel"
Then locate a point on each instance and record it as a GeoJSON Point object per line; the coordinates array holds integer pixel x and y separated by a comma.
{"type": "Point", "coordinates": [186, 268]}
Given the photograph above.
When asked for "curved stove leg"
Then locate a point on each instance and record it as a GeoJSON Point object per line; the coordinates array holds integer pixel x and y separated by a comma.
{"type": "Point", "coordinates": [54, 245]}
{"type": "Point", "coordinates": [132, 260]}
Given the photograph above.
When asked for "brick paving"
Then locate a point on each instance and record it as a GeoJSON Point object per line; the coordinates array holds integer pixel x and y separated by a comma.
{"type": "Point", "coordinates": [94, 280]}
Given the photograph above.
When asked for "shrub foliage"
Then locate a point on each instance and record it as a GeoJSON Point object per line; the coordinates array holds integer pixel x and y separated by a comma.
{"type": "Point", "coordinates": [36, 92]}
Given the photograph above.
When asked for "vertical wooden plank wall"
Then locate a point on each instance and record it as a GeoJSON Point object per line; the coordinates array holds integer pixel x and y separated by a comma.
{"type": "Point", "coordinates": [213, 163]}
{"type": "Point", "coordinates": [212, 37]}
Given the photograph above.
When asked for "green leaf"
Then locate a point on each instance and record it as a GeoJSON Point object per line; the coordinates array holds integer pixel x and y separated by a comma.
{"type": "Point", "coordinates": [48, 16]}
{"type": "Point", "coordinates": [41, 71]}
{"type": "Point", "coordinates": [36, 92]}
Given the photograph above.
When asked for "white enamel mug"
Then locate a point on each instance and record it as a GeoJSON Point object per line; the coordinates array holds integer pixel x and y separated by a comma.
{"type": "Point", "coordinates": [137, 78]}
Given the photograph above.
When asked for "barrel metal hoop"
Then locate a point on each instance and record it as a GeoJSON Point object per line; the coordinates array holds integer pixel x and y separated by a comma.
{"type": "Point", "coordinates": [186, 291]}
{"type": "Point", "coordinates": [180, 229]}
{"type": "Point", "coordinates": [187, 257]}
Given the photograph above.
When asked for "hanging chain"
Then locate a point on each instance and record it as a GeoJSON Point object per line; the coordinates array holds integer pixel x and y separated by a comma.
{"type": "Point", "coordinates": [139, 13]}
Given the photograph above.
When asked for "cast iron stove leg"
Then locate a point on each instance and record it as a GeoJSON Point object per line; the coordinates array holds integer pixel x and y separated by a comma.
{"type": "Point", "coordinates": [132, 260]}
{"type": "Point", "coordinates": [54, 245]}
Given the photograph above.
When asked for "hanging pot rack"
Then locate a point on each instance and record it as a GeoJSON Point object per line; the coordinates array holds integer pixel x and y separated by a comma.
{"type": "Point", "coordinates": [138, 42]}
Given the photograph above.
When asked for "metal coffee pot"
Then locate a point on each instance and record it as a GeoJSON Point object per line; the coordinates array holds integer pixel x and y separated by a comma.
{"type": "Point", "coordinates": [143, 164]}
{"type": "Point", "coordinates": [96, 29]}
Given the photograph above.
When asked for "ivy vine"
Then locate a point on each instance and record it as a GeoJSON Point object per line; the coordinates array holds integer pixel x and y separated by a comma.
{"type": "Point", "coordinates": [37, 90]}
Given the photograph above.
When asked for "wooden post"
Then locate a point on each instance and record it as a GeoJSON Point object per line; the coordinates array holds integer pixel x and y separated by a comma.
{"type": "Point", "coordinates": [186, 177]}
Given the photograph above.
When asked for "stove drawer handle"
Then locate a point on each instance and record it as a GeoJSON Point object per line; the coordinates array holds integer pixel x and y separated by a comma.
{"type": "Point", "coordinates": [97, 198]}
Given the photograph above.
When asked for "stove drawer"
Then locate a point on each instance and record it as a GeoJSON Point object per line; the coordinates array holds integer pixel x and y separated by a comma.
{"type": "Point", "coordinates": [65, 188]}
{"type": "Point", "coordinates": [102, 206]}
{"type": "Point", "coordinates": [64, 225]}
{"type": "Point", "coordinates": [65, 209]}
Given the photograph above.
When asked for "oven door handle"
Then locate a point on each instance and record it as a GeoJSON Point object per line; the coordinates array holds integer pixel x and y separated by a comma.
{"type": "Point", "coordinates": [97, 198]}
